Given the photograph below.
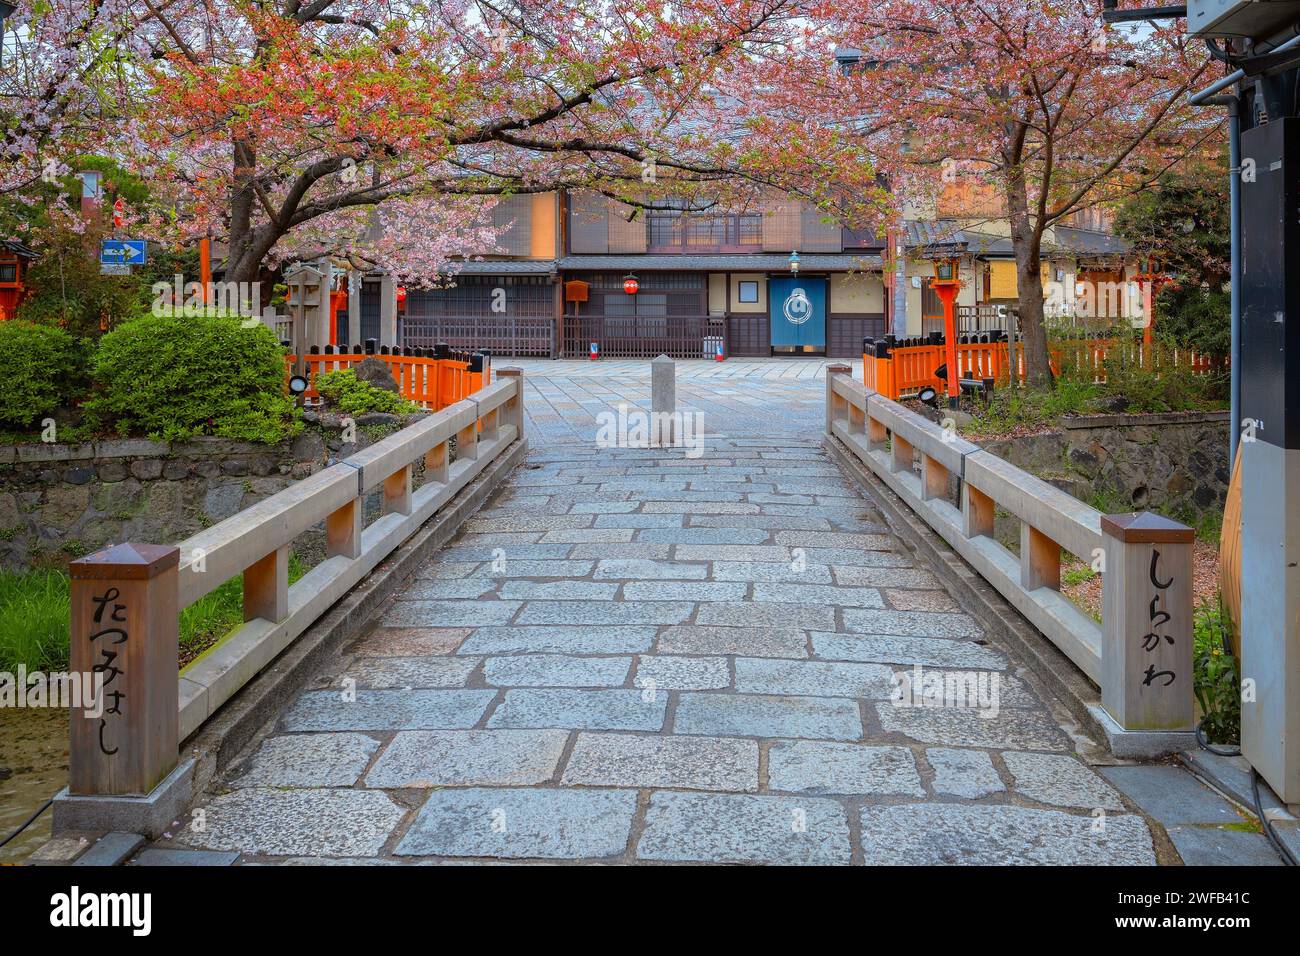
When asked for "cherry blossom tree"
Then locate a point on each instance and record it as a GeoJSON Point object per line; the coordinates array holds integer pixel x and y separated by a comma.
{"type": "Point", "coordinates": [1036, 99]}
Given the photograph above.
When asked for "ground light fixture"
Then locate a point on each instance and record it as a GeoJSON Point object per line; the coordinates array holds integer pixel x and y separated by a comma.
{"type": "Point", "coordinates": [297, 385]}
{"type": "Point", "coordinates": [929, 396]}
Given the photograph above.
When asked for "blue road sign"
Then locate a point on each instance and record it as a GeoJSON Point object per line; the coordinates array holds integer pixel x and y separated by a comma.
{"type": "Point", "coordinates": [122, 252]}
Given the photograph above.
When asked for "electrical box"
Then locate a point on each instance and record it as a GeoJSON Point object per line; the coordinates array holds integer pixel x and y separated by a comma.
{"type": "Point", "coordinates": [1253, 19]}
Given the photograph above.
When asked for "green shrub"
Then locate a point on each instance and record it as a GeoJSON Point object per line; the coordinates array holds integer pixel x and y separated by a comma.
{"type": "Point", "coordinates": [343, 391]}
{"type": "Point", "coordinates": [1216, 681]}
{"type": "Point", "coordinates": [172, 377]}
{"type": "Point", "coordinates": [41, 368]}
{"type": "Point", "coordinates": [34, 616]}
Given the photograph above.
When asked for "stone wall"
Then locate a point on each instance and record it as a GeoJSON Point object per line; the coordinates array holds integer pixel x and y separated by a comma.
{"type": "Point", "coordinates": [58, 502]}
{"type": "Point", "coordinates": [1176, 462]}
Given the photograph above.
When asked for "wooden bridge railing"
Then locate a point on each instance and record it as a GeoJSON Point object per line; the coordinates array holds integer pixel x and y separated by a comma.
{"type": "Point", "coordinates": [126, 600]}
{"type": "Point", "coordinates": [899, 368]}
{"type": "Point", "coordinates": [1141, 653]}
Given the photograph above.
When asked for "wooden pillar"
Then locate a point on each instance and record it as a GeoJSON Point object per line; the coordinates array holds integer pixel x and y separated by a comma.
{"type": "Point", "coordinates": [1147, 647]}
{"type": "Point", "coordinates": [467, 440]}
{"type": "Point", "coordinates": [124, 631]}
{"type": "Point", "coordinates": [343, 531]}
{"type": "Point", "coordinates": [435, 464]}
{"type": "Point", "coordinates": [266, 587]}
{"type": "Point", "coordinates": [397, 491]}
{"type": "Point", "coordinates": [978, 510]}
{"type": "Point", "coordinates": [1040, 560]}
{"type": "Point", "coordinates": [934, 479]}
{"type": "Point", "coordinates": [902, 455]}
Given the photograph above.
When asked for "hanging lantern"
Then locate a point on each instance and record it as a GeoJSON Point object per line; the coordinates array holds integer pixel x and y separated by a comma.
{"type": "Point", "coordinates": [630, 284]}
{"type": "Point", "coordinates": [794, 263]}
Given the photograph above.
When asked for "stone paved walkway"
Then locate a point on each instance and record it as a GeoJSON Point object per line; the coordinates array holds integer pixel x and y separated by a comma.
{"type": "Point", "coordinates": [632, 655]}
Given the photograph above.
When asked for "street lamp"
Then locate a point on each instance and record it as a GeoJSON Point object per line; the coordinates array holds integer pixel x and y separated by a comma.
{"type": "Point", "coordinates": [794, 263]}
{"type": "Point", "coordinates": [6, 11]}
{"type": "Point", "coordinates": [946, 285]}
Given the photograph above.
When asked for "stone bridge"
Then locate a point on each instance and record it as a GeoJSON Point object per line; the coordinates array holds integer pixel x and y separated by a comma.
{"type": "Point", "coordinates": [733, 651]}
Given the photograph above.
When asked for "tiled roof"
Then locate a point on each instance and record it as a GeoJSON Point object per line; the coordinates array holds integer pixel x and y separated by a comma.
{"type": "Point", "coordinates": [19, 248]}
{"type": "Point", "coordinates": [756, 262]}
{"type": "Point", "coordinates": [1087, 242]}
{"type": "Point", "coordinates": [493, 267]}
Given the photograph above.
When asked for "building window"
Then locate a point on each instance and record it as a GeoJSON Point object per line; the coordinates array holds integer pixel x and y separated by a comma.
{"type": "Point", "coordinates": [681, 232]}
{"type": "Point", "coordinates": [747, 292]}
{"type": "Point", "coordinates": [8, 272]}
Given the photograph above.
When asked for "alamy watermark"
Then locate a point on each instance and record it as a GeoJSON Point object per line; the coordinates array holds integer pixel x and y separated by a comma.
{"type": "Point", "coordinates": [179, 297]}
{"type": "Point", "coordinates": [970, 690]}
{"type": "Point", "coordinates": [65, 691]}
{"type": "Point", "coordinates": [632, 428]}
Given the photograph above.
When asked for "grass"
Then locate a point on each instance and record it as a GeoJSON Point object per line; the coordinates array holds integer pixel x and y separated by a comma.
{"type": "Point", "coordinates": [35, 610]}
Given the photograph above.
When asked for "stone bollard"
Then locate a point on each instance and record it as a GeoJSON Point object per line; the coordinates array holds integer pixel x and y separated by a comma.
{"type": "Point", "coordinates": [663, 400]}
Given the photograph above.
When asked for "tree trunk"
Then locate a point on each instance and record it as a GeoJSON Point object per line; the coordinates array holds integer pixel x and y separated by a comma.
{"type": "Point", "coordinates": [1027, 242]}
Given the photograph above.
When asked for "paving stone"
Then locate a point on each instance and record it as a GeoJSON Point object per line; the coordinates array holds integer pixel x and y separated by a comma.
{"type": "Point", "coordinates": [411, 641]}
{"type": "Point", "coordinates": [737, 828]}
{"type": "Point", "coordinates": [457, 758]}
{"type": "Point", "coordinates": [309, 760]}
{"type": "Point", "coordinates": [387, 710]}
{"type": "Point", "coordinates": [682, 673]}
{"type": "Point", "coordinates": [559, 640]}
{"type": "Point", "coordinates": [821, 539]}
{"type": "Point", "coordinates": [1214, 846]}
{"type": "Point", "coordinates": [744, 715]}
{"type": "Point", "coordinates": [639, 570]}
{"type": "Point", "coordinates": [631, 551]}
{"type": "Point", "coordinates": [589, 536]}
{"type": "Point", "coordinates": [158, 856]}
{"type": "Point", "coordinates": [594, 612]}
{"type": "Point", "coordinates": [522, 824]}
{"type": "Point", "coordinates": [449, 613]}
{"type": "Point", "coordinates": [907, 650]}
{"type": "Point", "coordinates": [698, 507]}
{"type": "Point", "coordinates": [813, 678]}
{"type": "Point", "coordinates": [748, 641]}
{"type": "Point", "coordinates": [447, 569]}
{"type": "Point", "coordinates": [963, 773]}
{"type": "Point", "coordinates": [911, 623]}
{"type": "Point", "coordinates": [771, 571]}
{"type": "Point", "coordinates": [690, 763]}
{"type": "Point", "coordinates": [525, 523]}
{"type": "Point", "coordinates": [1060, 779]}
{"type": "Point", "coordinates": [461, 551]}
{"type": "Point", "coordinates": [511, 568]}
{"type": "Point", "coordinates": [808, 616]}
{"type": "Point", "coordinates": [1172, 795]}
{"type": "Point", "coordinates": [557, 591]}
{"type": "Point", "coordinates": [112, 849]}
{"type": "Point", "coordinates": [684, 591]}
{"type": "Point", "coordinates": [278, 822]}
{"type": "Point", "coordinates": [853, 558]}
{"type": "Point", "coordinates": [409, 672]}
{"type": "Point", "coordinates": [603, 507]}
{"type": "Point", "coordinates": [439, 590]}
{"type": "Point", "coordinates": [639, 521]}
{"type": "Point", "coordinates": [556, 670]}
{"type": "Point", "coordinates": [501, 539]}
{"type": "Point", "coordinates": [1010, 729]}
{"type": "Point", "coordinates": [813, 766]}
{"type": "Point", "coordinates": [751, 553]}
{"type": "Point", "coordinates": [911, 600]}
{"type": "Point", "coordinates": [930, 834]}
{"type": "Point", "coordinates": [581, 710]}
{"type": "Point", "coordinates": [822, 594]}
{"type": "Point", "coordinates": [765, 521]}
{"type": "Point", "coordinates": [699, 536]}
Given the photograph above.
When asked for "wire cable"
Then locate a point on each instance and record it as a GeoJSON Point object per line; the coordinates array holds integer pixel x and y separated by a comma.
{"type": "Point", "coordinates": [30, 820]}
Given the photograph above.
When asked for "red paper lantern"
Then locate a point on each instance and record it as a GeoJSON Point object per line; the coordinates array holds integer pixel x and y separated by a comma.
{"type": "Point", "coordinates": [630, 285]}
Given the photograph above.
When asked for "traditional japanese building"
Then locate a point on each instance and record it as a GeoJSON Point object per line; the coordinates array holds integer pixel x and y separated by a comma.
{"type": "Point", "coordinates": [15, 258]}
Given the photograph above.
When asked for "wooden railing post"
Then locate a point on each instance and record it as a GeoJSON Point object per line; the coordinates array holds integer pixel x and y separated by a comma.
{"type": "Point", "coordinates": [835, 404]}
{"type": "Point", "coordinates": [397, 491]}
{"type": "Point", "coordinates": [1147, 622]}
{"type": "Point", "coordinates": [467, 439]}
{"type": "Point", "coordinates": [124, 631]}
{"type": "Point", "coordinates": [1040, 559]}
{"type": "Point", "coordinates": [512, 412]}
{"type": "Point", "coordinates": [343, 530]}
{"type": "Point", "coordinates": [436, 467]}
{"type": "Point", "coordinates": [902, 454]}
{"type": "Point", "coordinates": [978, 510]}
{"type": "Point", "coordinates": [934, 479]}
{"type": "Point", "coordinates": [266, 587]}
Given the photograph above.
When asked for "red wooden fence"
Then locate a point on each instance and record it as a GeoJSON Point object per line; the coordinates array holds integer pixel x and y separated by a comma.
{"type": "Point", "coordinates": [421, 375]}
